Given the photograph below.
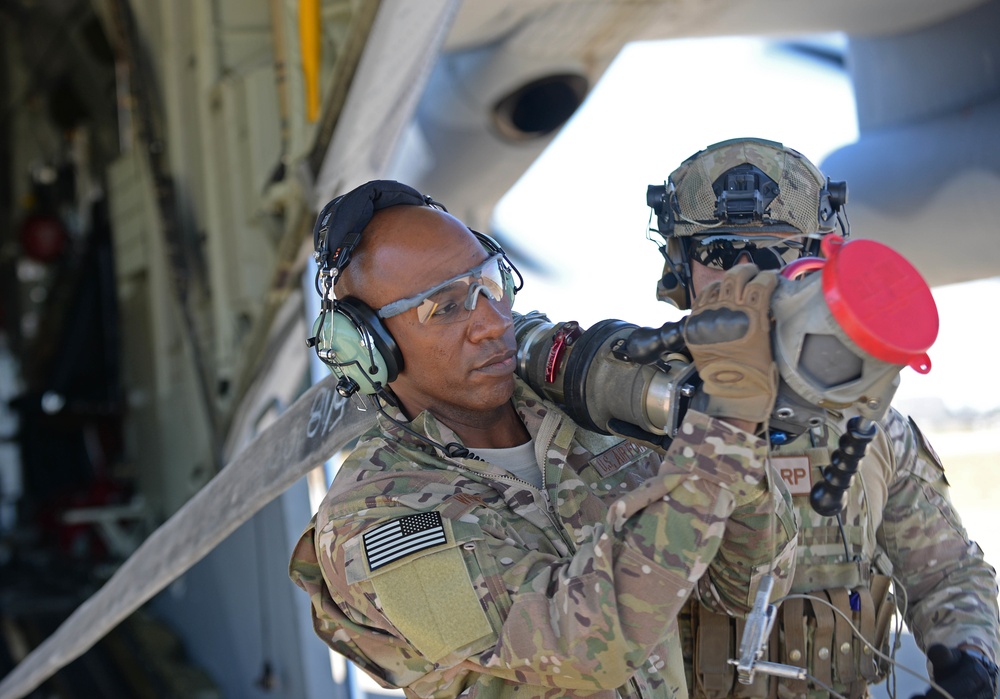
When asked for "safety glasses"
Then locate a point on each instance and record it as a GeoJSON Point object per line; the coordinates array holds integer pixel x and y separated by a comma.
{"type": "Point", "coordinates": [723, 253]}
{"type": "Point", "coordinates": [453, 300]}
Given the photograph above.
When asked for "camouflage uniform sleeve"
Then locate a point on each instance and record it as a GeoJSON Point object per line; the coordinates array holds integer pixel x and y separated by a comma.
{"type": "Point", "coordinates": [756, 533]}
{"type": "Point", "coordinates": [760, 539]}
{"type": "Point", "coordinates": [603, 610]}
{"type": "Point", "coordinates": [950, 590]}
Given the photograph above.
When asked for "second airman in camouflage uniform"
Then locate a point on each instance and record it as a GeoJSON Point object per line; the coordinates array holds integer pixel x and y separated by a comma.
{"type": "Point", "coordinates": [898, 523]}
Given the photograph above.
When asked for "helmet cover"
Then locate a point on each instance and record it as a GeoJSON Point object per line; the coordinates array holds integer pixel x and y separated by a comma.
{"type": "Point", "coordinates": [800, 204]}
{"type": "Point", "coordinates": [792, 199]}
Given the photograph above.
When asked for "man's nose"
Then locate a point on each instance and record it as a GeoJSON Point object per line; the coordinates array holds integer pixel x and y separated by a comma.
{"type": "Point", "coordinates": [489, 318]}
{"type": "Point", "coordinates": [744, 258]}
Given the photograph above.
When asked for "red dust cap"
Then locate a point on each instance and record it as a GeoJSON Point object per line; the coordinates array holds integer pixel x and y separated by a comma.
{"type": "Point", "coordinates": [880, 301]}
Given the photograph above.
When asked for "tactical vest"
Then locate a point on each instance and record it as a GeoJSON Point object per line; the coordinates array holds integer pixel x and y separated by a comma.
{"type": "Point", "coordinates": [807, 632]}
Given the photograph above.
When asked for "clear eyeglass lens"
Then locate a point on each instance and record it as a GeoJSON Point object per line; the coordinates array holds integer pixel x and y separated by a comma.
{"type": "Point", "coordinates": [455, 302]}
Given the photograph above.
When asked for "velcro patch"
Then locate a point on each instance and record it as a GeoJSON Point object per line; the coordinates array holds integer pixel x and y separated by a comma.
{"type": "Point", "coordinates": [795, 471]}
{"type": "Point", "coordinates": [926, 445]}
{"type": "Point", "coordinates": [614, 458]}
{"type": "Point", "coordinates": [402, 537]}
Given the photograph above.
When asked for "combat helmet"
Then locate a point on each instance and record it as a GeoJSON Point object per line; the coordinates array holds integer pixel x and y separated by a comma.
{"type": "Point", "coordinates": [738, 190]}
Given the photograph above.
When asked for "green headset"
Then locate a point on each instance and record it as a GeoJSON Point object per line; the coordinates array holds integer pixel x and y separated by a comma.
{"type": "Point", "coordinates": [348, 336]}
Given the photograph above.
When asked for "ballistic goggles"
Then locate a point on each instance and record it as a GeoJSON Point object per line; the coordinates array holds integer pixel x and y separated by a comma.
{"type": "Point", "coordinates": [453, 300]}
{"type": "Point", "coordinates": [723, 252]}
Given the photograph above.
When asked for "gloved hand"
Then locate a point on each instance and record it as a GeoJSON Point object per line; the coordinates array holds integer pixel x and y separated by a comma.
{"type": "Point", "coordinates": [962, 675]}
{"type": "Point", "coordinates": [729, 337]}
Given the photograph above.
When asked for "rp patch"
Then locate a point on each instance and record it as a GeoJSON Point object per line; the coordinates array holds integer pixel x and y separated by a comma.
{"type": "Point", "coordinates": [795, 471]}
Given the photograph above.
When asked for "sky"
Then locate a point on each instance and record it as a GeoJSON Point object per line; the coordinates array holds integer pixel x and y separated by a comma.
{"type": "Point", "coordinates": [580, 209]}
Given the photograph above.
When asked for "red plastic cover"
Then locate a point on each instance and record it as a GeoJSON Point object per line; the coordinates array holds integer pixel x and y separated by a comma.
{"type": "Point", "coordinates": [880, 300]}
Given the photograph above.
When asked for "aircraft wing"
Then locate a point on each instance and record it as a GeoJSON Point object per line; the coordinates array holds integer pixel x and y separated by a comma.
{"type": "Point", "coordinates": [925, 171]}
{"type": "Point", "coordinates": [314, 427]}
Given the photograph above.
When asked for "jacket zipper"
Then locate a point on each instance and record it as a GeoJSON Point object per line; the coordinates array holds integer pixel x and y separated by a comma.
{"type": "Point", "coordinates": [543, 492]}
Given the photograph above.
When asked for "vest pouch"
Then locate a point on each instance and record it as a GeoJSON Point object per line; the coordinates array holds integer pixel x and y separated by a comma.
{"type": "Point", "coordinates": [812, 633]}
{"type": "Point", "coordinates": [713, 647]}
{"type": "Point", "coordinates": [885, 607]}
{"type": "Point", "coordinates": [715, 643]}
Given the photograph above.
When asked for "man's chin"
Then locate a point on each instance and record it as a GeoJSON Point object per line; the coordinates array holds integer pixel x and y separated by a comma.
{"type": "Point", "coordinates": [498, 390]}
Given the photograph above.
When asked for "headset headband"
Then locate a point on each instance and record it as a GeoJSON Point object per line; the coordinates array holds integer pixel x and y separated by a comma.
{"type": "Point", "coordinates": [339, 225]}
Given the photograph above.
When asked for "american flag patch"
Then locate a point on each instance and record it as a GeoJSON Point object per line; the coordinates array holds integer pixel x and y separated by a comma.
{"type": "Point", "coordinates": [401, 537]}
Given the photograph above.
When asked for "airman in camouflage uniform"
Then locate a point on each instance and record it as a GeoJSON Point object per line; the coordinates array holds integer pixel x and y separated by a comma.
{"type": "Point", "coordinates": [898, 523]}
{"type": "Point", "coordinates": [446, 575]}
{"type": "Point", "coordinates": [570, 590]}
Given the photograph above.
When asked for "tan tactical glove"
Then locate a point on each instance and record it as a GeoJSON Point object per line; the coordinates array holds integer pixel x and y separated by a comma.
{"type": "Point", "coordinates": [729, 337]}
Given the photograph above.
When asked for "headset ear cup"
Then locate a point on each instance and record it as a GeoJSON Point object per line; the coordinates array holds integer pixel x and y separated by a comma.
{"type": "Point", "coordinates": [365, 350]}
{"type": "Point", "coordinates": [385, 343]}
{"type": "Point", "coordinates": [670, 289]}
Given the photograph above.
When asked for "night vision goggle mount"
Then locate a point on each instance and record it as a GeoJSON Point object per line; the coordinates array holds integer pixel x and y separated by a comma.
{"type": "Point", "coordinates": [743, 195]}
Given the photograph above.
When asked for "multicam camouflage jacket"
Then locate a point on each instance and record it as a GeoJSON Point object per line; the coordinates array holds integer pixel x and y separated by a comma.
{"type": "Point", "coordinates": [899, 524]}
{"type": "Point", "coordinates": [450, 576]}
